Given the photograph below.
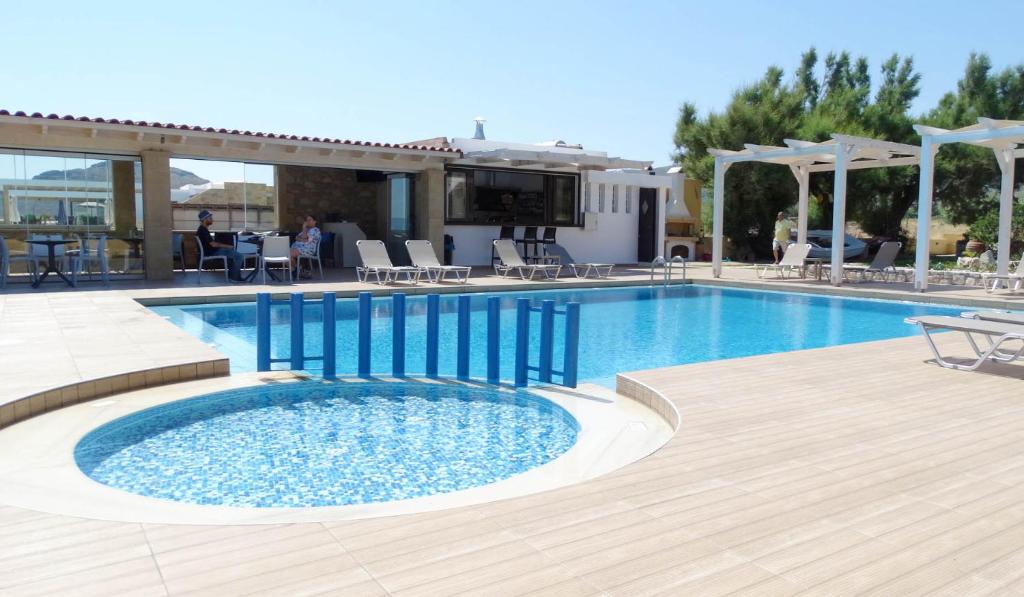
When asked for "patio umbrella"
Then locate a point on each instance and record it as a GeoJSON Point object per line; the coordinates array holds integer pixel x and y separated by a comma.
{"type": "Point", "coordinates": [62, 213]}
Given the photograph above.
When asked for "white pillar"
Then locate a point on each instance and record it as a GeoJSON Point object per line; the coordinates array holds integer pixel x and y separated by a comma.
{"type": "Point", "coordinates": [839, 214]}
{"type": "Point", "coordinates": [1005, 159]}
{"type": "Point", "coordinates": [924, 213]}
{"type": "Point", "coordinates": [664, 197]}
{"type": "Point", "coordinates": [803, 178]}
{"type": "Point", "coordinates": [717, 214]}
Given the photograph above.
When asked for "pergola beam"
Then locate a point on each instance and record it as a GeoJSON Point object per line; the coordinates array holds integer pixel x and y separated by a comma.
{"type": "Point", "coordinates": [1003, 137]}
{"type": "Point", "coordinates": [842, 154]}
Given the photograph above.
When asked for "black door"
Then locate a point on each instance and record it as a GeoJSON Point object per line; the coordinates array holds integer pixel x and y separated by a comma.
{"type": "Point", "coordinates": [647, 236]}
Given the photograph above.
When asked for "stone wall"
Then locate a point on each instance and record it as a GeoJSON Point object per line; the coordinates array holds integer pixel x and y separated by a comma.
{"type": "Point", "coordinates": [303, 190]}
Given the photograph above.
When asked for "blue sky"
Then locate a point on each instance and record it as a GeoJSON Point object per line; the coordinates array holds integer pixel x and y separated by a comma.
{"type": "Point", "coordinates": [609, 75]}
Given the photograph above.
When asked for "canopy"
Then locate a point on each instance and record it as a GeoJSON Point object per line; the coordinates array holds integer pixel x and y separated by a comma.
{"type": "Point", "coordinates": [840, 154]}
{"type": "Point", "coordinates": [1003, 137]}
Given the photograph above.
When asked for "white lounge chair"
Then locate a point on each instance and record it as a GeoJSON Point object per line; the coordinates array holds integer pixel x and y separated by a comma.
{"type": "Point", "coordinates": [376, 261]}
{"type": "Point", "coordinates": [792, 260]}
{"type": "Point", "coordinates": [881, 265]}
{"type": "Point", "coordinates": [995, 333]}
{"type": "Point", "coordinates": [1012, 279]}
{"type": "Point", "coordinates": [422, 255]}
{"type": "Point", "coordinates": [509, 260]}
{"type": "Point", "coordinates": [580, 270]}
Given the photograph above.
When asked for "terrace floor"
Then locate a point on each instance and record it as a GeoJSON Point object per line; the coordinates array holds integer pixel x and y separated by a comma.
{"type": "Point", "coordinates": [852, 469]}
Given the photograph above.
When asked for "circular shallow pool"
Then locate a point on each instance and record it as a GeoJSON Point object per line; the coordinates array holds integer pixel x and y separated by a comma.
{"type": "Point", "coordinates": [326, 444]}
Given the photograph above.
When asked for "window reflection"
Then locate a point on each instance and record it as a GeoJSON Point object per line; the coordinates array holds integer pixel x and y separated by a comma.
{"type": "Point", "coordinates": [74, 196]}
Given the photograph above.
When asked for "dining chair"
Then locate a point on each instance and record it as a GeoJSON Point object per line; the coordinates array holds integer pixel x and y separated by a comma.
{"type": "Point", "coordinates": [276, 249]}
{"type": "Point", "coordinates": [203, 258]}
{"type": "Point", "coordinates": [6, 260]}
{"type": "Point", "coordinates": [91, 249]}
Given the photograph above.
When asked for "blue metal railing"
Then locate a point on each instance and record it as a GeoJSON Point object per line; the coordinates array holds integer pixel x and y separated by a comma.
{"type": "Point", "coordinates": [297, 358]}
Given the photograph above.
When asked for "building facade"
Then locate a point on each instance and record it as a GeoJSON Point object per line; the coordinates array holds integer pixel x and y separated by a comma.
{"type": "Point", "coordinates": [85, 176]}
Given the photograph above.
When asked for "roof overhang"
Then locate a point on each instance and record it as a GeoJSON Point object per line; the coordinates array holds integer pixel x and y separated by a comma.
{"type": "Point", "coordinates": [131, 138]}
{"type": "Point", "coordinates": [551, 160]}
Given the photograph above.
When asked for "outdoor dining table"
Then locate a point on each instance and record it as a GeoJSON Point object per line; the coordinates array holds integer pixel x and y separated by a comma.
{"type": "Point", "coordinates": [51, 259]}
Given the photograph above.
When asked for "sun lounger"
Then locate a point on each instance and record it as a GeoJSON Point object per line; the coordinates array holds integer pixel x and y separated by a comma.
{"type": "Point", "coordinates": [1001, 316]}
{"type": "Point", "coordinates": [792, 261]}
{"type": "Point", "coordinates": [881, 265]}
{"type": "Point", "coordinates": [580, 270]}
{"type": "Point", "coordinates": [995, 333]}
{"type": "Point", "coordinates": [376, 261]}
{"type": "Point", "coordinates": [510, 260]}
{"type": "Point", "coordinates": [1012, 279]}
{"type": "Point", "coordinates": [422, 255]}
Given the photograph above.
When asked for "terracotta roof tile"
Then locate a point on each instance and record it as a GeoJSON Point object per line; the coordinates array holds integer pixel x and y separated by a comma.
{"type": "Point", "coordinates": [128, 122]}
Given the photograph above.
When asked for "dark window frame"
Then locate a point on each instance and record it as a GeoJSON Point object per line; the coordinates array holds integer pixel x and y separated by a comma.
{"type": "Point", "coordinates": [549, 207]}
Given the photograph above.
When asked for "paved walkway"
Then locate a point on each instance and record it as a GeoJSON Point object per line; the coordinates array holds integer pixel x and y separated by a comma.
{"type": "Point", "coordinates": [845, 470]}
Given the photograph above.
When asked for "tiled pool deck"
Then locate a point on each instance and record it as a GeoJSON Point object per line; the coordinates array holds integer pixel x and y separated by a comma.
{"type": "Point", "coordinates": [853, 469]}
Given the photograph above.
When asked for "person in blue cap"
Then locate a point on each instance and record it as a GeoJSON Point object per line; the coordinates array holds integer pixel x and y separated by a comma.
{"type": "Point", "coordinates": [212, 247]}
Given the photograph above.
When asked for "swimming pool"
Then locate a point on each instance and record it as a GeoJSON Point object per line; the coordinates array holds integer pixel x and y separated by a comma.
{"type": "Point", "coordinates": [621, 329]}
{"type": "Point", "coordinates": [314, 444]}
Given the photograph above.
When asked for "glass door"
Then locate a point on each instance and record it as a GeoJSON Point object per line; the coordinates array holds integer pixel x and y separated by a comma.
{"type": "Point", "coordinates": [400, 216]}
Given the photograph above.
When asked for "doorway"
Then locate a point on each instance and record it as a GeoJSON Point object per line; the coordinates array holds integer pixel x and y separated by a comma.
{"type": "Point", "coordinates": [399, 216]}
{"type": "Point", "coordinates": [647, 236]}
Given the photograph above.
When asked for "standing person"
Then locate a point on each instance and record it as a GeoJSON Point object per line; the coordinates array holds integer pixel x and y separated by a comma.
{"type": "Point", "coordinates": [306, 243]}
{"type": "Point", "coordinates": [212, 247]}
{"type": "Point", "coordinates": [781, 239]}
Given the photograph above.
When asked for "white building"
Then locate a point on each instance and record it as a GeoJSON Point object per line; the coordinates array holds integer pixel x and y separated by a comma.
{"type": "Point", "coordinates": [603, 209]}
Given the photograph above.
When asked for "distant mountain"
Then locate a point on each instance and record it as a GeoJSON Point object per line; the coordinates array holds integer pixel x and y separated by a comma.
{"type": "Point", "coordinates": [98, 173]}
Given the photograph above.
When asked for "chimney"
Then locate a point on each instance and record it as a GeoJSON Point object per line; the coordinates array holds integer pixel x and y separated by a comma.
{"type": "Point", "coordinates": [479, 134]}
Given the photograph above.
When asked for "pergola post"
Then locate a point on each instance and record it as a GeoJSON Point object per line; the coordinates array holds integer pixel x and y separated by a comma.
{"type": "Point", "coordinates": [803, 178]}
{"type": "Point", "coordinates": [717, 214]}
{"type": "Point", "coordinates": [924, 213]}
{"type": "Point", "coordinates": [1005, 157]}
{"type": "Point", "coordinates": [839, 214]}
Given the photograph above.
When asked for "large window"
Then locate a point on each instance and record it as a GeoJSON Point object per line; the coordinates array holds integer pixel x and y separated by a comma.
{"type": "Point", "coordinates": [78, 197]}
{"type": "Point", "coordinates": [240, 195]}
{"type": "Point", "coordinates": [492, 197]}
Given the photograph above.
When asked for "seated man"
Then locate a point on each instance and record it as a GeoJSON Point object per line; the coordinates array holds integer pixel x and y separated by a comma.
{"type": "Point", "coordinates": [212, 247]}
{"type": "Point", "coordinates": [306, 243]}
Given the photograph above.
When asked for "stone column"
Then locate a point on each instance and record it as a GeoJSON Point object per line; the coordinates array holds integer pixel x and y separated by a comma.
{"type": "Point", "coordinates": [123, 186]}
{"type": "Point", "coordinates": [156, 214]}
{"type": "Point", "coordinates": [430, 208]}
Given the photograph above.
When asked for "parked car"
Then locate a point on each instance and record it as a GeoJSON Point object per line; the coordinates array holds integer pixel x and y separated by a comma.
{"type": "Point", "coordinates": [821, 245]}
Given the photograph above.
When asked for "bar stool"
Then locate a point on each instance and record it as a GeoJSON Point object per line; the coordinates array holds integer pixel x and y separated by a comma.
{"type": "Point", "coordinates": [529, 240]}
{"type": "Point", "coordinates": [549, 237]}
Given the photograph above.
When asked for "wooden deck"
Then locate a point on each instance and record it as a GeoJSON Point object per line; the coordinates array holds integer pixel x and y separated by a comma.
{"type": "Point", "coordinates": [854, 469]}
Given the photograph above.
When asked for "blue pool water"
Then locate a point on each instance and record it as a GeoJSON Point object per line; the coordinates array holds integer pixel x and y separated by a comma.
{"type": "Point", "coordinates": [326, 444]}
{"type": "Point", "coordinates": [622, 329]}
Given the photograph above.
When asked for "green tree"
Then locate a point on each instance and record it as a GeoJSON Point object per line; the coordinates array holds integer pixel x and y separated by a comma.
{"type": "Point", "coordinates": [967, 177]}
{"type": "Point", "coordinates": [809, 107]}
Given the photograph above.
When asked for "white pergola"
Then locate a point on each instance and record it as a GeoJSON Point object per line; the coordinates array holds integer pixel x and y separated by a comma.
{"type": "Point", "coordinates": [839, 155]}
{"type": "Point", "coordinates": [1003, 137]}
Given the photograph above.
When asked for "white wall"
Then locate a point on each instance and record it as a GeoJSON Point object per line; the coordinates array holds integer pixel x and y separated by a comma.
{"type": "Point", "coordinates": [614, 240]}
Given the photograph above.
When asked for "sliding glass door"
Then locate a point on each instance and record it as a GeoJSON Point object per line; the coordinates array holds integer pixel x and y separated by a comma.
{"type": "Point", "coordinates": [400, 216]}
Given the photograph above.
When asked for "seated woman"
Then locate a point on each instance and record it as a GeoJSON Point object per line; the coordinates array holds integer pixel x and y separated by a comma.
{"type": "Point", "coordinates": [306, 243]}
